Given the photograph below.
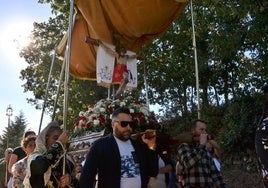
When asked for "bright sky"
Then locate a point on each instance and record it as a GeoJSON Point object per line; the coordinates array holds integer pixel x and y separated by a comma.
{"type": "Point", "coordinates": [16, 21]}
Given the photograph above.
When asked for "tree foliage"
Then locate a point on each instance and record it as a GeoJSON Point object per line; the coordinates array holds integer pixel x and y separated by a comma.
{"type": "Point", "coordinates": [13, 133]}
{"type": "Point", "coordinates": [241, 120]}
{"type": "Point", "coordinates": [39, 55]}
{"type": "Point", "coordinates": [232, 49]}
{"type": "Point", "coordinates": [231, 45]}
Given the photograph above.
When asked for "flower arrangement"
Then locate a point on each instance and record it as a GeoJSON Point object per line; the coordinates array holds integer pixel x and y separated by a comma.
{"type": "Point", "coordinates": [97, 116]}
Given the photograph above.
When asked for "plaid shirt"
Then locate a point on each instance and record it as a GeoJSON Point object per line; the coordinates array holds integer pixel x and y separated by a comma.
{"type": "Point", "coordinates": [198, 168]}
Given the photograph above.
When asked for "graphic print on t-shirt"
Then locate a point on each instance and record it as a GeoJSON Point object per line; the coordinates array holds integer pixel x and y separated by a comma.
{"type": "Point", "coordinates": [128, 167]}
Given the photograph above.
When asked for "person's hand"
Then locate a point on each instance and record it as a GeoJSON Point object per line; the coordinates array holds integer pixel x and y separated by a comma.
{"type": "Point", "coordinates": [214, 144]}
{"type": "Point", "coordinates": [77, 176]}
{"type": "Point", "coordinates": [149, 141]}
{"type": "Point", "coordinates": [180, 178]}
{"type": "Point", "coordinates": [64, 137]}
{"type": "Point", "coordinates": [203, 138]}
{"type": "Point", "coordinates": [65, 180]}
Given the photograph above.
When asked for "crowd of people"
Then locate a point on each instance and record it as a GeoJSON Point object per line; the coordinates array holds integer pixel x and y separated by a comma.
{"type": "Point", "coordinates": [115, 160]}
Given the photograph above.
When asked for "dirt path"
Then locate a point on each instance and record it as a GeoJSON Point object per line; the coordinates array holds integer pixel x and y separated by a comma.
{"type": "Point", "coordinates": [237, 178]}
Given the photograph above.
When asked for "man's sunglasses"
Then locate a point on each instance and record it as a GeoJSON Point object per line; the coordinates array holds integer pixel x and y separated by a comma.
{"type": "Point", "coordinates": [126, 123]}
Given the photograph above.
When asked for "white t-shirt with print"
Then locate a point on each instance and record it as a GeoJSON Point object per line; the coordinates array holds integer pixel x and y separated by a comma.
{"type": "Point", "coordinates": [130, 171]}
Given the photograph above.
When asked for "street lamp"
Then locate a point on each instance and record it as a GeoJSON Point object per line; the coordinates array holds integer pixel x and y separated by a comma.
{"type": "Point", "coordinates": [9, 112]}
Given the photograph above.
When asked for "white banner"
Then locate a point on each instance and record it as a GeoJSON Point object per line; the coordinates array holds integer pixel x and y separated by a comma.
{"type": "Point", "coordinates": [132, 72]}
{"type": "Point", "coordinates": [105, 67]}
{"type": "Point", "coordinates": [106, 56]}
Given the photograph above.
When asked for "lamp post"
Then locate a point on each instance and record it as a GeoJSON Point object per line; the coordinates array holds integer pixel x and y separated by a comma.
{"type": "Point", "coordinates": [9, 112]}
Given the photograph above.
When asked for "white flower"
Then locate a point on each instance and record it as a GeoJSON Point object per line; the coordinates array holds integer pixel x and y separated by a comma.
{"type": "Point", "coordinates": [81, 113]}
{"type": "Point", "coordinates": [144, 110]}
{"type": "Point", "coordinates": [122, 104]}
{"type": "Point", "coordinates": [131, 110]}
{"type": "Point", "coordinates": [105, 108]}
{"type": "Point", "coordinates": [102, 110]}
{"type": "Point", "coordinates": [86, 114]}
{"type": "Point", "coordinates": [95, 110]}
{"type": "Point", "coordinates": [90, 118]}
{"type": "Point", "coordinates": [96, 122]}
{"type": "Point", "coordinates": [90, 109]}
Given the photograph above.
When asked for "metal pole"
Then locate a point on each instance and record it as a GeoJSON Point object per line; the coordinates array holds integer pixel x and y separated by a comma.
{"type": "Point", "coordinates": [47, 87]}
{"type": "Point", "coordinates": [67, 70]}
{"type": "Point", "coordinates": [58, 90]}
{"type": "Point", "coordinates": [109, 92]}
{"type": "Point", "coordinates": [196, 64]}
{"type": "Point", "coordinates": [146, 86]}
{"type": "Point", "coordinates": [67, 65]}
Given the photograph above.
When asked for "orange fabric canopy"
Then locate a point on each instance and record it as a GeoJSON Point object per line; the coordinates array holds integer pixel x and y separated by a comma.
{"type": "Point", "coordinates": [130, 23]}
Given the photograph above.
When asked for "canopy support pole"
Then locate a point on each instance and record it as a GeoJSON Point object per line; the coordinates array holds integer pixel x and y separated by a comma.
{"type": "Point", "coordinates": [146, 86]}
{"type": "Point", "coordinates": [67, 66]}
{"type": "Point", "coordinates": [109, 92]}
{"type": "Point", "coordinates": [196, 63]}
{"type": "Point", "coordinates": [67, 71]}
{"type": "Point", "coordinates": [48, 84]}
{"type": "Point", "coordinates": [58, 91]}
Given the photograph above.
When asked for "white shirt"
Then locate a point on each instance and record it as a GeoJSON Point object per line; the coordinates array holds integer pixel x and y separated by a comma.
{"type": "Point", "coordinates": [217, 164]}
{"type": "Point", "coordinates": [130, 172]}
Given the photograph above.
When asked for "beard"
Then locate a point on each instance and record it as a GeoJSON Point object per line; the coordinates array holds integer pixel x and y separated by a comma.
{"type": "Point", "coordinates": [124, 136]}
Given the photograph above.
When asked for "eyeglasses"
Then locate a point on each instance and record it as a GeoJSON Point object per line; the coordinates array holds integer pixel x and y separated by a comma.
{"type": "Point", "coordinates": [126, 123]}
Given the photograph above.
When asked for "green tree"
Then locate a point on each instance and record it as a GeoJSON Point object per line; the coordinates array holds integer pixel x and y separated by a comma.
{"type": "Point", "coordinates": [13, 133]}
{"type": "Point", "coordinates": [39, 55]}
{"type": "Point", "coordinates": [230, 59]}
{"type": "Point", "coordinates": [241, 120]}
{"type": "Point", "coordinates": [231, 43]}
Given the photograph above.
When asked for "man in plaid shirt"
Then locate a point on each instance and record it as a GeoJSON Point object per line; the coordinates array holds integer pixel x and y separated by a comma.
{"type": "Point", "coordinates": [197, 166]}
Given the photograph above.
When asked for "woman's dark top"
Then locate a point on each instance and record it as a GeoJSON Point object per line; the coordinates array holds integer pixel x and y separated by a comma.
{"type": "Point", "coordinates": [51, 158]}
{"type": "Point", "coordinates": [19, 152]}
